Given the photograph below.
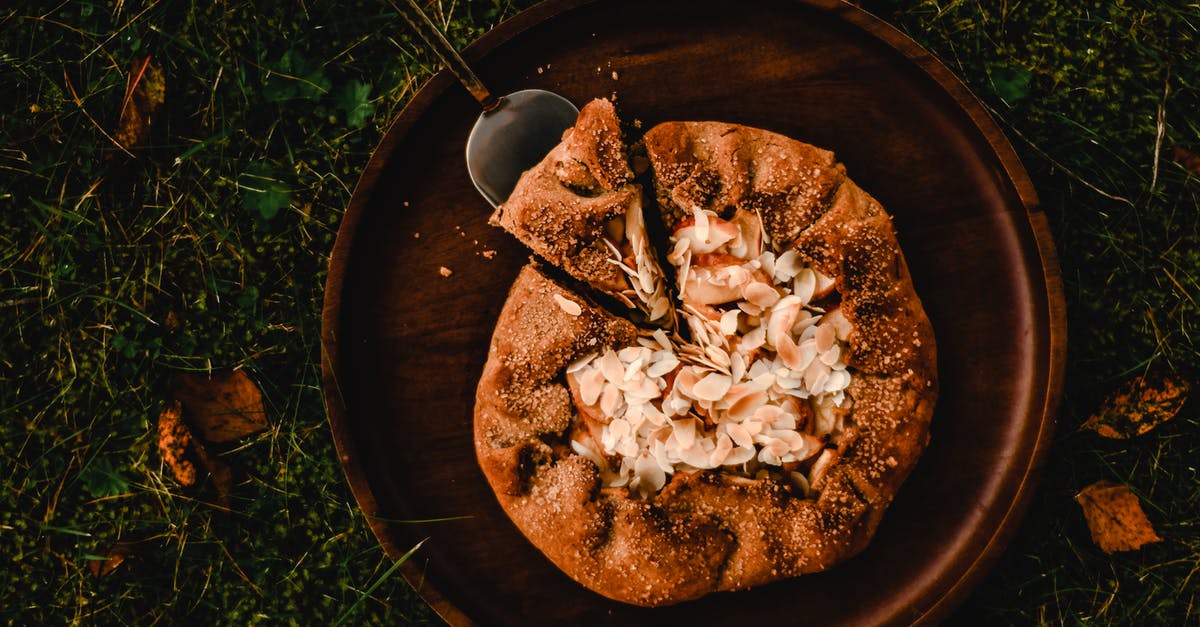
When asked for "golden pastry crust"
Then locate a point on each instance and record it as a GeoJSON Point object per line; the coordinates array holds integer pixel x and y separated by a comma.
{"type": "Point", "coordinates": [560, 207]}
{"type": "Point", "coordinates": [712, 531]}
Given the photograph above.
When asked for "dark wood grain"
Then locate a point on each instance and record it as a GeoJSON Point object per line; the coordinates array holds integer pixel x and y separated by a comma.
{"type": "Point", "coordinates": [403, 346]}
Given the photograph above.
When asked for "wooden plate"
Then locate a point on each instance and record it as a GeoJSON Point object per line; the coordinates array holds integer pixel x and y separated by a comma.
{"type": "Point", "coordinates": [404, 346]}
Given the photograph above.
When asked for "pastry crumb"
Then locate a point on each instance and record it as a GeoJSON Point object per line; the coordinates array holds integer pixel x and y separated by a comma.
{"type": "Point", "coordinates": [489, 254]}
{"type": "Point", "coordinates": [614, 75]}
{"type": "Point", "coordinates": [416, 235]}
{"type": "Point", "coordinates": [444, 271]}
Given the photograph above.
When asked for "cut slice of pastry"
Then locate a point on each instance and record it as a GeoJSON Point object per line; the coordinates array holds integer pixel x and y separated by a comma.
{"type": "Point", "coordinates": [762, 436]}
{"type": "Point", "coordinates": [580, 210]}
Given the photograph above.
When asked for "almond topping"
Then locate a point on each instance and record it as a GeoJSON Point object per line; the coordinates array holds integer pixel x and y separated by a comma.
{"type": "Point", "coordinates": [571, 307]}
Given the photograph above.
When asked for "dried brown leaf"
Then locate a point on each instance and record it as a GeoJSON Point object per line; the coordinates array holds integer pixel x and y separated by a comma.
{"type": "Point", "coordinates": [220, 472]}
{"type": "Point", "coordinates": [1186, 158]}
{"type": "Point", "coordinates": [222, 407]}
{"type": "Point", "coordinates": [1115, 517]}
{"type": "Point", "coordinates": [174, 440]}
{"type": "Point", "coordinates": [145, 91]}
{"type": "Point", "coordinates": [1138, 406]}
{"type": "Point", "coordinates": [115, 556]}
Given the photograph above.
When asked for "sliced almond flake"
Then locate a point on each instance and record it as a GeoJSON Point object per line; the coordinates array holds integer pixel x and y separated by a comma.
{"type": "Point", "coordinates": [718, 356]}
{"type": "Point", "coordinates": [729, 322]}
{"type": "Point", "coordinates": [591, 454]}
{"type": "Point", "coordinates": [662, 367]}
{"type": "Point", "coordinates": [654, 416]}
{"type": "Point", "coordinates": [658, 448]}
{"type": "Point", "coordinates": [712, 387]}
{"type": "Point", "coordinates": [684, 432]}
{"type": "Point", "coordinates": [739, 455]}
{"type": "Point", "coordinates": [631, 353]}
{"type": "Point", "coordinates": [805, 285]}
{"type": "Point", "coordinates": [617, 256]}
{"type": "Point", "coordinates": [739, 434]}
{"type": "Point", "coordinates": [634, 416]}
{"type": "Point", "coordinates": [783, 315]}
{"type": "Point", "coordinates": [766, 261]}
{"type": "Point", "coordinates": [838, 381]}
{"type": "Point", "coordinates": [695, 456]}
{"type": "Point", "coordinates": [760, 294]}
{"type": "Point", "coordinates": [650, 478]}
{"type": "Point", "coordinates": [832, 356]}
{"type": "Point", "coordinates": [840, 324]}
{"type": "Point", "coordinates": [753, 340]}
{"type": "Point", "coordinates": [789, 353]}
{"type": "Point", "coordinates": [815, 376]}
{"type": "Point", "coordinates": [750, 308]}
{"type": "Point", "coordinates": [764, 381]}
{"type": "Point", "coordinates": [591, 385]}
{"type": "Point", "coordinates": [785, 420]}
{"type": "Point", "coordinates": [737, 366]}
{"type": "Point", "coordinates": [789, 382]}
{"type": "Point", "coordinates": [678, 250]}
{"type": "Point", "coordinates": [808, 352]}
{"type": "Point", "coordinates": [787, 266]}
{"type": "Point", "coordinates": [660, 336]}
{"type": "Point", "coordinates": [684, 273]}
{"type": "Point", "coordinates": [722, 451]}
{"type": "Point", "coordinates": [581, 363]}
{"type": "Point", "coordinates": [611, 367]}
{"type": "Point", "coordinates": [660, 308]}
{"type": "Point", "coordinates": [769, 457]}
{"type": "Point", "coordinates": [699, 329]}
{"type": "Point", "coordinates": [826, 336]}
{"type": "Point", "coordinates": [648, 390]}
{"type": "Point", "coordinates": [779, 446]}
{"type": "Point", "coordinates": [702, 224]}
{"type": "Point", "coordinates": [633, 369]}
{"type": "Point", "coordinates": [610, 399]}
{"type": "Point", "coordinates": [744, 401]}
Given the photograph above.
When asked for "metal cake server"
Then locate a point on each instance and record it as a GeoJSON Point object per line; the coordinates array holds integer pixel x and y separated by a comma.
{"type": "Point", "coordinates": [513, 133]}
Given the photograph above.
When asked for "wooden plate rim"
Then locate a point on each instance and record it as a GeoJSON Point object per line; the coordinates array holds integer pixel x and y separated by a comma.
{"type": "Point", "coordinates": [338, 415]}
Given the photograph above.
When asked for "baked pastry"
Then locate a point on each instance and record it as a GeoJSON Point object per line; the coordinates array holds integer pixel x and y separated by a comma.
{"type": "Point", "coordinates": [580, 210]}
{"type": "Point", "coordinates": [761, 428]}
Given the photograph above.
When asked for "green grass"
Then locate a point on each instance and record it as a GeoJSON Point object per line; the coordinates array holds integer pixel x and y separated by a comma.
{"type": "Point", "coordinates": [208, 249]}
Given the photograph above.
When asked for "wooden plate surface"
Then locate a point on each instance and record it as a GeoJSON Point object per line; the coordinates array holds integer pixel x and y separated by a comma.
{"type": "Point", "coordinates": [403, 346]}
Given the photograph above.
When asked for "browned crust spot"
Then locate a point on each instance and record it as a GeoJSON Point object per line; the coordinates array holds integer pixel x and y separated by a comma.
{"type": "Point", "coordinates": [709, 531]}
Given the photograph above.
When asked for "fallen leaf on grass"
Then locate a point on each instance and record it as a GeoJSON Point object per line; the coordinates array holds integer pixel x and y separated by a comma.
{"type": "Point", "coordinates": [145, 91]}
{"type": "Point", "coordinates": [215, 409]}
{"type": "Point", "coordinates": [220, 472]}
{"type": "Point", "coordinates": [174, 442]}
{"type": "Point", "coordinates": [1115, 517]}
{"type": "Point", "coordinates": [221, 407]}
{"type": "Point", "coordinates": [1186, 158]}
{"type": "Point", "coordinates": [109, 562]}
{"type": "Point", "coordinates": [1138, 406]}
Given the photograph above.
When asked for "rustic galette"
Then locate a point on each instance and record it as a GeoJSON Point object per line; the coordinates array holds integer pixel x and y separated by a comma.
{"type": "Point", "coordinates": [776, 388]}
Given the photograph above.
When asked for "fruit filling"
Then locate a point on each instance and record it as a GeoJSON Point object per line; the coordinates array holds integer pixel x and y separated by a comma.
{"type": "Point", "coordinates": [751, 378]}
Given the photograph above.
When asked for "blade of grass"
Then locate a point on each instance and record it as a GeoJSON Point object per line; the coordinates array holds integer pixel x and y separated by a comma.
{"type": "Point", "coordinates": [362, 597]}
